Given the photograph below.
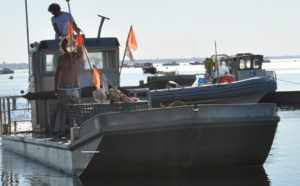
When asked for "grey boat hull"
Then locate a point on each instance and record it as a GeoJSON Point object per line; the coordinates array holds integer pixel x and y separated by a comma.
{"type": "Point", "coordinates": [250, 90]}
{"type": "Point", "coordinates": [160, 139]}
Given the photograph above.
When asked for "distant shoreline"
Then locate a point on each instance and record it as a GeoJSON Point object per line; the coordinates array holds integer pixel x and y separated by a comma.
{"type": "Point", "coordinates": [19, 68]}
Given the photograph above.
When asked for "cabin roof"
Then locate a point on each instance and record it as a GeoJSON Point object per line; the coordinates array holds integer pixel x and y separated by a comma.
{"type": "Point", "coordinates": [88, 42]}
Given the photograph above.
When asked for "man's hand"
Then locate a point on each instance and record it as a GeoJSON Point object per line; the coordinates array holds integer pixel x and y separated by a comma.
{"type": "Point", "coordinates": [55, 91]}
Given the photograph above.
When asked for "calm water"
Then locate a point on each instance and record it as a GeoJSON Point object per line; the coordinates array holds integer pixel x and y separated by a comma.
{"type": "Point", "coordinates": [281, 168]}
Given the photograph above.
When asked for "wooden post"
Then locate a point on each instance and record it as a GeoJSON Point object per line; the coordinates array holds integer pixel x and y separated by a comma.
{"type": "Point", "coordinates": [8, 115]}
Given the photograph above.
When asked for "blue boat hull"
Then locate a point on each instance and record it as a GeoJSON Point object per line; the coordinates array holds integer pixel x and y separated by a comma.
{"type": "Point", "coordinates": [244, 91]}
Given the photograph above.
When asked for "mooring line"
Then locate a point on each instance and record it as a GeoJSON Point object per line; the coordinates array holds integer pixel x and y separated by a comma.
{"type": "Point", "coordinates": [288, 81]}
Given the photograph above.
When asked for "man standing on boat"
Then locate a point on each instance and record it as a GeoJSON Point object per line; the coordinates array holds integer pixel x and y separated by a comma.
{"type": "Point", "coordinates": [67, 87]}
{"type": "Point", "coordinates": [60, 21]}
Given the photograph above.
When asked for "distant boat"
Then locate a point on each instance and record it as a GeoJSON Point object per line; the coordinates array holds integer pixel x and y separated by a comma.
{"type": "Point", "coordinates": [266, 60]}
{"type": "Point", "coordinates": [128, 65]}
{"type": "Point", "coordinates": [6, 71]}
{"type": "Point", "coordinates": [172, 63]}
{"type": "Point", "coordinates": [149, 68]}
{"type": "Point", "coordinates": [11, 77]}
{"type": "Point", "coordinates": [138, 65]}
{"type": "Point", "coordinates": [197, 63]}
{"type": "Point", "coordinates": [167, 73]}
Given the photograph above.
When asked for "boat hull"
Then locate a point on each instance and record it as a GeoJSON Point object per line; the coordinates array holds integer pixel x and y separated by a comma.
{"type": "Point", "coordinates": [160, 140]}
{"type": "Point", "coordinates": [201, 142]}
{"type": "Point", "coordinates": [244, 91]}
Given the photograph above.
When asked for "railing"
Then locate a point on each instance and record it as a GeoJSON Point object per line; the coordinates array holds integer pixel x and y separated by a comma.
{"type": "Point", "coordinates": [8, 108]}
{"type": "Point", "coordinates": [271, 74]}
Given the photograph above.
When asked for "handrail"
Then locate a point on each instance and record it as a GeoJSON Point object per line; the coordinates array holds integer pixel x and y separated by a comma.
{"type": "Point", "coordinates": [8, 104]}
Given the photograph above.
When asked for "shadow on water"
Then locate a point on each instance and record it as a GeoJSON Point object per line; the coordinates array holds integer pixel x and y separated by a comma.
{"type": "Point", "coordinates": [287, 107]}
{"type": "Point", "coordinates": [234, 176]}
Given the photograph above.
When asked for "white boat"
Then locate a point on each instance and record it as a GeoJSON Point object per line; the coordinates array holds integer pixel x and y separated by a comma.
{"type": "Point", "coordinates": [172, 63]}
{"type": "Point", "coordinates": [266, 60]}
{"type": "Point", "coordinates": [196, 63]}
{"type": "Point", "coordinates": [167, 73]}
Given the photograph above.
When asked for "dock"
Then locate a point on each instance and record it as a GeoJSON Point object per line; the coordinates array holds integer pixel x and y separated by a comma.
{"type": "Point", "coordinates": [283, 97]}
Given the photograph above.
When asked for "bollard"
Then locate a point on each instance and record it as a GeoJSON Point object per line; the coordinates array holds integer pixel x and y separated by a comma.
{"type": "Point", "coordinates": [75, 132]}
{"type": "Point", "coordinates": [4, 128]}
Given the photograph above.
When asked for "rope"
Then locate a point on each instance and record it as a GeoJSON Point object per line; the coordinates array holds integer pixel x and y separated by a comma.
{"type": "Point", "coordinates": [289, 81]}
{"type": "Point", "coordinates": [176, 103]}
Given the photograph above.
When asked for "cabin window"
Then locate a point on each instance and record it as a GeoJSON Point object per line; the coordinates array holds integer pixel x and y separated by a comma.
{"type": "Point", "coordinates": [102, 60]}
{"type": "Point", "coordinates": [51, 62]}
{"type": "Point", "coordinates": [256, 63]}
{"type": "Point", "coordinates": [242, 64]}
{"type": "Point", "coordinates": [248, 63]}
{"type": "Point", "coordinates": [229, 64]}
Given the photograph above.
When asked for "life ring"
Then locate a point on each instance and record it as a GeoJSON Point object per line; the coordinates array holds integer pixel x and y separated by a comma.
{"type": "Point", "coordinates": [226, 79]}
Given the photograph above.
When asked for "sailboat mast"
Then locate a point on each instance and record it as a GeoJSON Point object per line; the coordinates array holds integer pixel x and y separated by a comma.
{"type": "Point", "coordinates": [216, 60]}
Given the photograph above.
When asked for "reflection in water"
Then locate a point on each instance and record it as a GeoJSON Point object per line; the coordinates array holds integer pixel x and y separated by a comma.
{"type": "Point", "coordinates": [287, 107]}
{"type": "Point", "coordinates": [17, 169]}
{"type": "Point", "coordinates": [234, 176]}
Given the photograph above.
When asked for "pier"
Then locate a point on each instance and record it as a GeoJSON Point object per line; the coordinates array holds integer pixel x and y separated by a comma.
{"type": "Point", "coordinates": [283, 97]}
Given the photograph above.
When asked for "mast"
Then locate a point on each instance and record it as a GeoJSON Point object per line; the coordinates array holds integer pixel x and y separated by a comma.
{"type": "Point", "coordinates": [216, 60]}
{"type": "Point", "coordinates": [27, 30]}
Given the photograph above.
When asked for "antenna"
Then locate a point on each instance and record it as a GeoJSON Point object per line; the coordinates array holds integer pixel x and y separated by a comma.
{"type": "Point", "coordinates": [101, 24]}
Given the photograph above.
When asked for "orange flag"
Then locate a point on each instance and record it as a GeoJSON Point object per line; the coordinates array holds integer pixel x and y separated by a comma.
{"type": "Point", "coordinates": [129, 54]}
{"type": "Point", "coordinates": [96, 77]}
{"type": "Point", "coordinates": [79, 39]}
{"type": "Point", "coordinates": [131, 42]}
{"type": "Point", "coordinates": [70, 29]}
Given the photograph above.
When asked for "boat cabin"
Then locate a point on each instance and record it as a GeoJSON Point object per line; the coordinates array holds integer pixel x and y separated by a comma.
{"type": "Point", "coordinates": [240, 66]}
{"type": "Point", "coordinates": [102, 52]}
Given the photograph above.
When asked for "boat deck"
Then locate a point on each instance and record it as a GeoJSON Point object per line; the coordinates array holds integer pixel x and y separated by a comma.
{"type": "Point", "coordinates": [50, 138]}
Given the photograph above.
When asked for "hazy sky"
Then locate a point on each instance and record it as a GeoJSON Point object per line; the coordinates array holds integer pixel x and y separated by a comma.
{"type": "Point", "coordinates": [163, 28]}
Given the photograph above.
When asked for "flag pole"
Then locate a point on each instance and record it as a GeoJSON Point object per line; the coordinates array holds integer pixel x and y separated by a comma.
{"type": "Point", "coordinates": [71, 55]}
{"type": "Point", "coordinates": [123, 57]}
{"type": "Point", "coordinates": [216, 60]}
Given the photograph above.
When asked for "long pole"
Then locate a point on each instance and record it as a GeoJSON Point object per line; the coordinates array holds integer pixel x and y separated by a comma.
{"type": "Point", "coordinates": [27, 29]}
{"type": "Point", "coordinates": [216, 60]}
{"type": "Point", "coordinates": [123, 56]}
{"type": "Point", "coordinates": [71, 44]}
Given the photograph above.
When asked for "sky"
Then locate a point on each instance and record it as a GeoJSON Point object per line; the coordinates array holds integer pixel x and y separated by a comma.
{"type": "Point", "coordinates": [163, 28]}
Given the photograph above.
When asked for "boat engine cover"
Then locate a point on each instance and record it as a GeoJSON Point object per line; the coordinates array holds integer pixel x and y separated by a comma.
{"type": "Point", "coordinates": [172, 84]}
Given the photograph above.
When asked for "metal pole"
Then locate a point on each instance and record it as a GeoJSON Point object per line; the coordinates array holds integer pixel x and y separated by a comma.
{"type": "Point", "coordinates": [101, 24]}
{"type": "Point", "coordinates": [4, 108]}
{"type": "Point", "coordinates": [8, 115]}
{"type": "Point", "coordinates": [71, 44]}
{"type": "Point", "coordinates": [1, 123]}
{"type": "Point", "coordinates": [123, 57]}
{"type": "Point", "coordinates": [27, 29]}
{"type": "Point", "coordinates": [216, 60]}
